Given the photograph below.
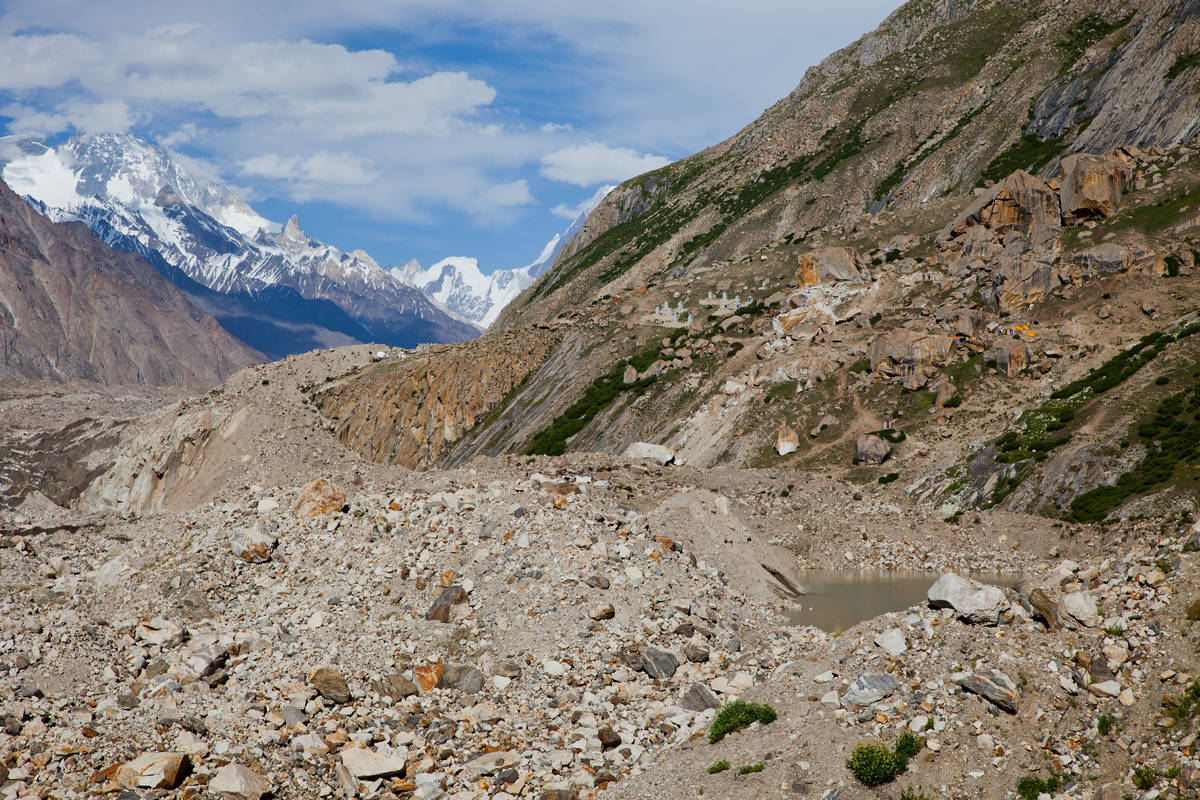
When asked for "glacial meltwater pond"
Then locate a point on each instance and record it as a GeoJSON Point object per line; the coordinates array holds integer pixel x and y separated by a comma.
{"type": "Point", "coordinates": [839, 598]}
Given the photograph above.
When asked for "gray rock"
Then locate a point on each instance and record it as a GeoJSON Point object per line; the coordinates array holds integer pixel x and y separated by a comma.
{"type": "Point", "coordinates": [994, 686]}
{"type": "Point", "coordinates": [870, 688]}
{"type": "Point", "coordinates": [870, 449]}
{"type": "Point", "coordinates": [659, 663]}
{"type": "Point", "coordinates": [974, 602]}
{"type": "Point", "coordinates": [464, 678]}
{"type": "Point", "coordinates": [367, 764]}
{"type": "Point", "coordinates": [602, 612]}
{"type": "Point", "coordinates": [696, 653]}
{"type": "Point", "coordinates": [396, 686]}
{"type": "Point", "coordinates": [650, 452]}
{"type": "Point", "coordinates": [892, 641]}
{"type": "Point", "coordinates": [699, 698]}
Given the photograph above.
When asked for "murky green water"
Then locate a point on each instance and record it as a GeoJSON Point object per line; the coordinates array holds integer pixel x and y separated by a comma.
{"type": "Point", "coordinates": [838, 599]}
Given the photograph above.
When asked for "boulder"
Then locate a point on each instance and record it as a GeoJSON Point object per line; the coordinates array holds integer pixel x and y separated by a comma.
{"type": "Point", "coordinates": [1082, 608]}
{"type": "Point", "coordinates": [630, 376]}
{"type": "Point", "coordinates": [154, 771]}
{"type": "Point", "coordinates": [786, 440]}
{"type": "Point", "coordinates": [369, 764]}
{"type": "Point", "coordinates": [1106, 259]}
{"type": "Point", "coordinates": [1009, 355]}
{"type": "Point", "coordinates": [319, 497]}
{"type": "Point", "coordinates": [974, 602]}
{"type": "Point", "coordinates": [238, 782]}
{"type": "Point", "coordinates": [1090, 187]}
{"type": "Point", "coordinates": [902, 352]}
{"type": "Point", "coordinates": [870, 449]}
{"type": "Point", "coordinates": [1044, 607]}
{"type": "Point", "coordinates": [831, 265]}
{"type": "Point", "coordinates": [870, 688]}
{"type": "Point", "coordinates": [1020, 202]}
{"type": "Point", "coordinates": [892, 641]}
{"type": "Point", "coordinates": [650, 452]}
{"type": "Point", "coordinates": [428, 675]}
{"type": "Point", "coordinates": [994, 686]}
{"type": "Point", "coordinates": [489, 764]}
{"type": "Point", "coordinates": [253, 544]}
{"type": "Point", "coordinates": [330, 684]}
{"type": "Point", "coordinates": [395, 686]}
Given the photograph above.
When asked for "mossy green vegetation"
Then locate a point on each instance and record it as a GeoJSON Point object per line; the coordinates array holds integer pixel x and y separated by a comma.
{"type": "Point", "coordinates": [1183, 709]}
{"type": "Point", "coordinates": [1085, 33]}
{"type": "Point", "coordinates": [874, 764]}
{"type": "Point", "coordinates": [719, 766]}
{"type": "Point", "coordinates": [1172, 440]}
{"type": "Point", "coordinates": [552, 441]}
{"type": "Point", "coordinates": [1183, 62]}
{"type": "Point", "coordinates": [1028, 153]}
{"type": "Point", "coordinates": [737, 715]}
{"type": "Point", "coordinates": [1030, 786]}
{"type": "Point", "coordinates": [749, 768]}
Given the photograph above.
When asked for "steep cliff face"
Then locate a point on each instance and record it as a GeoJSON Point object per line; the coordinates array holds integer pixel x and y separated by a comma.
{"type": "Point", "coordinates": [943, 96]}
{"type": "Point", "coordinates": [410, 412]}
{"type": "Point", "coordinates": [73, 308]}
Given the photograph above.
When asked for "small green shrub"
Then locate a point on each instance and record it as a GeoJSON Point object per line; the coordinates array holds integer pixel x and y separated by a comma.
{"type": "Point", "coordinates": [1031, 786]}
{"type": "Point", "coordinates": [914, 794]}
{"type": "Point", "coordinates": [907, 746]}
{"type": "Point", "coordinates": [873, 764]}
{"type": "Point", "coordinates": [720, 766]}
{"type": "Point", "coordinates": [1144, 778]}
{"type": "Point", "coordinates": [1105, 724]}
{"type": "Point", "coordinates": [737, 715]}
{"type": "Point", "coordinates": [886, 479]}
{"type": "Point", "coordinates": [1183, 708]}
{"type": "Point", "coordinates": [891, 435]}
{"type": "Point", "coordinates": [748, 768]}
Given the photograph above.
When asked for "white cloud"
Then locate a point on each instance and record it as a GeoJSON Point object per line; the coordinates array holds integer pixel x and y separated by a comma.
{"type": "Point", "coordinates": [593, 163]}
{"type": "Point", "coordinates": [505, 195]}
{"type": "Point", "coordinates": [556, 127]}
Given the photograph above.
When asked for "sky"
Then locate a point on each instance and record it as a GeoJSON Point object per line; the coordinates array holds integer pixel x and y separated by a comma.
{"type": "Point", "coordinates": [415, 128]}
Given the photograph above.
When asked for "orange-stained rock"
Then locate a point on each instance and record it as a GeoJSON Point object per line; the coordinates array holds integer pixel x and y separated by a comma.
{"type": "Point", "coordinates": [829, 265]}
{"type": "Point", "coordinates": [153, 771]}
{"type": "Point", "coordinates": [428, 675]}
{"type": "Point", "coordinates": [902, 352]}
{"type": "Point", "coordinates": [1091, 187]}
{"type": "Point", "coordinates": [1020, 201]}
{"type": "Point", "coordinates": [786, 440]}
{"type": "Point", "coordinates": [319, 497]}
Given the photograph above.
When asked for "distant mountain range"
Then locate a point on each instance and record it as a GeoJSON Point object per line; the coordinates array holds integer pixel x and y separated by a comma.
{"type": "Point", "coordinates": [270, 285]}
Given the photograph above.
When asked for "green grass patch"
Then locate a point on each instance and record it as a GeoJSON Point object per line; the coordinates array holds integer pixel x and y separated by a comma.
{"type": "Point", "coordinates": [1183, 62]}
{"type": "Point", "coordinates": [1184, 708]}
{"type": "Point", "coordinates": [749, 768]}
{"type": "Point", "coordinates": [1030, 786]}
{"type": "Point", "coordinates": [874, 764]}
{"type": "Point", "coordinates": [1085, 33]}
{"type": "Point", "coordinates": [552, 441]}
{"type": "Point", "coordinates": [1153, 218]}
{"type": "Point", "coordinates": [891, 477]}
{"type": "Point", "coordinates": [1171, 438]}
{"type": "Point", "coordinates": [1028, 153]}
{"type": "Point", "coordinates": [719, 766]}
{"type": "Point", "coordinates": [737, 715]}
{"type": "Point", "coordinates": [1145, 777]}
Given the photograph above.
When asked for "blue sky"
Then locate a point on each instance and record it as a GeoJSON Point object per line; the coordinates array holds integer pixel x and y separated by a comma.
{"type": "Point", "coordinates": [415, 128]}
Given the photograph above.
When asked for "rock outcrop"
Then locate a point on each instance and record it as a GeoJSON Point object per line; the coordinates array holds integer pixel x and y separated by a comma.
{"type": "Point", "coordinates": [831, 265]}
{"type": "Point", "coordinates": [1090, 187]}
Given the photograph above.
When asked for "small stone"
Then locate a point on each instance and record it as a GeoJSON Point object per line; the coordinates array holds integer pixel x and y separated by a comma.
{"type": "Point", "coordinates": [696, 653]}
{"type": "Point", "coordinates": [699, 698]}
{"type": "Point", "coordinates": [396, 686]}
{"type": "Point", "coordinates": [490, 764]}
{"type": "Point", "coordinates": [659, 663]}
{"type": "Point", "coordinates": [994, 686]}
{"type": "Point", "coordinates": [428, 675]}
{"type": "Point", "coordinates": [237, 782]}
{"type": "Point", "coordinates": [319, 497]}
{"type": "Point", "coordinates": [253, 544]}
{"type": "Point", "coordinates": [555, 669]}
{"type": "Point", "coordinates": [892, 641]}
{"type": "Point", "coordinates": [602, 612]}
{"type": "Point", "coordinates": [330, 684]}
{"type": "Point", "coordinates": [463, 678]}
{"type": "Point", "coordinates": [450, 596]}
{"type": "Point", "coordinates": [608, 738]}
{"type": "Point", "coordinates": [1105, 688]}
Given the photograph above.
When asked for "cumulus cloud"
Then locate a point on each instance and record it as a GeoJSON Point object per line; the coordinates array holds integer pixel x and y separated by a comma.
{"type": "Point", "coordinates": [593, 163]}
{"type": "Point", "coordinates": [504, 195]}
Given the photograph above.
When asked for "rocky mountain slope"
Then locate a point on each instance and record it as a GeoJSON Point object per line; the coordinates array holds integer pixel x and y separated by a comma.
{"type": "Point", "coordinates": [270, 285]}
{"type": "Point", "coordinates": [71, 308]}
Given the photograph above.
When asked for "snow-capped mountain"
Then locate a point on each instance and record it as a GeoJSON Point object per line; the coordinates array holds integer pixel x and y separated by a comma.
{"type": "Point", "coordinates": [271, 285]}
{"type": "Point", "coordinates": [458, 284]}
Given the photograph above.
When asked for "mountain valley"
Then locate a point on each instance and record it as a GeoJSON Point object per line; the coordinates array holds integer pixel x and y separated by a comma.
{"type": "Point", "coordinates": [933, 315]}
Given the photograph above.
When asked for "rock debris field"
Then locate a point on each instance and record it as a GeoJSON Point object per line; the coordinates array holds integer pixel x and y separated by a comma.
{"type": "Point", "coordinates": [568, 629]}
